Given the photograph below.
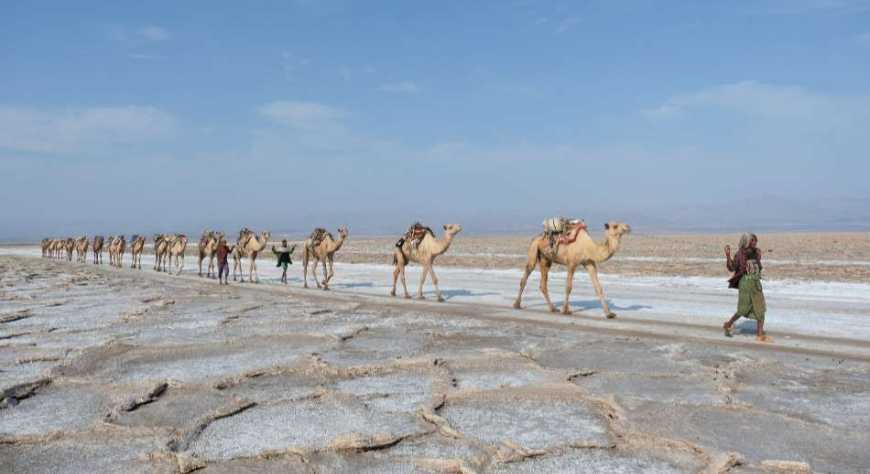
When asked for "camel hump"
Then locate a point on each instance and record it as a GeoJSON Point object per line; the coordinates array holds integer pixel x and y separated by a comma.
{"type": "Point", "coordinates": [318, 234]}
{"type": "Point", "coordinates": [244, 236]}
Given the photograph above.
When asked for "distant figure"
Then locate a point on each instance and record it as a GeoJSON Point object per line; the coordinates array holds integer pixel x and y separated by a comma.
{"type": "Point", "coordinates": [223, 252]}
{"type": "Point", "coordinates": [746, 277]}
{"type": "Point", "coordinates": [284, 254]}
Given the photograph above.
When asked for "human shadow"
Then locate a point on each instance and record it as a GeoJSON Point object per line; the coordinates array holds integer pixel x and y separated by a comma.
{"type": "Point", "coordinates": [745, 326]}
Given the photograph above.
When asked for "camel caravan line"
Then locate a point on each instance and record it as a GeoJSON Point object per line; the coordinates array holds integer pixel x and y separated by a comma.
{"type": "Point", "coordinates": [563, 242]}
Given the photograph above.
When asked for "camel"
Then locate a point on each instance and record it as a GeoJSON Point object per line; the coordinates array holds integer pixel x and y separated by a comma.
{"type": "Point", "coordinates": [82, 249]}
{"type": "Point", "coordinates": [208, 243]}
{"type": "Point", "coordinates": [176, 249]}
{"type": "Point", "coordinates": [46, 247]}
{"type": "Point", "coordinates": [583, 251]}
{"type": "Point", "coordinates": [424, 254]}
{"type": "Point", "coordinates": [248, 245]}
{"type": "Point", "coordinates": [137, 245]}
{"type": "Point", "coordinates": [97, 247]}
{"type": "Point", "coordinates": [324, 252]}
{"type": "Point", "coordinates": [161, 245]}
{"type": "Point", "coordinates": [116, 251]}
{"type": "Point", "coordinates": [69, 245]}
{"type": "Point", "coordinates": [57, 248]}
{"type": "Point", "coordinates": [109, 249]}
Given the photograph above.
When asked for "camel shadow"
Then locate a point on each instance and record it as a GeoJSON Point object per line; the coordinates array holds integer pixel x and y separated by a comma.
{"type": "Point", "coordinates": [349, 286]}
{"type": "Point", "coordinates": [448, 294]}
{"type": "Point", "coordinates": [584, 305]}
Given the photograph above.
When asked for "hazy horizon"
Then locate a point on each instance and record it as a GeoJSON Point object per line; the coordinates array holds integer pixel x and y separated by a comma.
{"type": "Point", "coordinates": [673, 116]}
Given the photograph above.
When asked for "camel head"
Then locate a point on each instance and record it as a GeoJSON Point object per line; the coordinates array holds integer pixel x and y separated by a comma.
{"type": "Point", "coordinates": [452, 229]}
{"type": "Point", "coordinates": [342, 231]}
{"type": "Point", "coordinates": [616, 229]}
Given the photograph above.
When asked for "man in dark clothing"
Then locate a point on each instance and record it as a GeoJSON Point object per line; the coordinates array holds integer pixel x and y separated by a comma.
{"type": "Point", "coordinates": [283, 254]}
{"type": "Point", "coordinates": [223, 267]}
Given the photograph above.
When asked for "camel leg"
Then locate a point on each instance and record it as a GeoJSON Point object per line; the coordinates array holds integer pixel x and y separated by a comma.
{"type": "Point", "coordinates": [435, 282]}
{"type": "Point", "coordinates": [179, 261]}
{"type": "Point", "coordinates": [325, 275]}
{"type": "Point", "coordinates": [404, 283]}
{"type": "Point", "coordinates": [395, 279]}
{"type": "Point", "coordinates": [545, 273]}
{"type": "Point", "coordinates": [592, 269]}
{"type": "Point", "coordinates": [529, 268]}
{"type": "Point", "coordinates": [422, 281]}
{"type": "Point", "coordinates": [329, 275]}
{"type": "Point", "coordinates": [314, 263]}
{"type": "Point", "coordinates": [569, 285]}
{"type": "Point", "coordinates": [305, 267]}
{"type": "Point", "coordinates": [200, 264]}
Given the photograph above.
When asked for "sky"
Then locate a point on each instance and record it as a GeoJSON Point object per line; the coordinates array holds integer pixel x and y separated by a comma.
{"type": "Point", "coordinates": [123, 117]}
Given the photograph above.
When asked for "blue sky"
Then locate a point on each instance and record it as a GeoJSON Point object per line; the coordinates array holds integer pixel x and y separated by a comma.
{"type": "Point", "coordinates": [150, 116]}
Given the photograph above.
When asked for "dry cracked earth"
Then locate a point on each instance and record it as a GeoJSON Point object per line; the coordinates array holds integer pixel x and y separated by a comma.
{"type": "Point", "coordinates": [106, 370]}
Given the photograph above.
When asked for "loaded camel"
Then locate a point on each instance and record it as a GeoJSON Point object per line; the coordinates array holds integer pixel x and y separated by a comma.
{"type": "Point", "coordinates": [58, 247]}
{"type": "Point", "coordinates": [581, 252]}
{"type": "Point", "coordinates": [248, 245]}
{"type": "Point", "coordinates": [82, 249]}
{"type": "Point", "coordinates": [116, 251]}
{"type": "Point", "coordinates": [423, 253]}
{"type": "Point", "coordinates": [161, 243]}
{"type": "Point", "coordinates": [176, 249]}
{"type": "Point", "coordinates": [97, 247]}
{"type": "Point", "coordinates": [322, 251]}
{"type": "Point", "coordinates": [208, 243]}
{"type": "Point", "coordinates": [69, 245]}
{"type": "Point", "coordinates": [137, 245]}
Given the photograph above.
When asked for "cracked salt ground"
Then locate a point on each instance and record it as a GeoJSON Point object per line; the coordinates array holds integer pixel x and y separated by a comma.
{"type": "Point", "coordinates": [278, 387]}
{"type": "Point", "coordinates": [257, 374]}
{"type": "Point", "coordinates": [318, 424]}
{"type": "Point", "coordinates": [781, 437]}
{"type": "Point", "coordinates": [375, 347]}
{"type": "Point", "coordinates": [495, 372]}
{"type": "Point", "coordinates": [398, 392]}
{"type": "Point", "coordinates": [592, 461]}
{"type": "Point", "coordinates": [839, 400]}
{"type": "Point", "coordinates": [632, 389]}
{"type": "Point", "coordinates": [54, 408]}
{"type": "Point", "coordinates": [530, 420]}
{"type": "Point", "coordinates": [190, 363]}
{"type": "Point", "coordinates": [436, 446]}
{"type": "Point", "coordinates": [107, 451]}
{"type": "Point", "coordinates": [178, 407]}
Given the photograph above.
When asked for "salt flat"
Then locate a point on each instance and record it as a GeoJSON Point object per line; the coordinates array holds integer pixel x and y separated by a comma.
{"type": "Point", "coordinates": [108, 370]}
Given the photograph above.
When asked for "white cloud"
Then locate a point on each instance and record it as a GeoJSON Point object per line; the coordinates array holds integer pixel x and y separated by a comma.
{"type": "Point", "coordinates": [803, 7]}
{"type": "Point", "coordinates": [567, 24]}
{"type": "Point", "coordinates": [154, 33]}
{"type": "Point", "coordinates": [81, 129]}
{"type": "Point", "coordinates": [302, 115]}
{"type": "Point", "coordinates": [405, 87]}
{"type": "Point", "coordinates": [765, 101]}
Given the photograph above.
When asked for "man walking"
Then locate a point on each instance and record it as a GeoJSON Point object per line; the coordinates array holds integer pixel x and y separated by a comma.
{"type": "Point", "coordinates": [223, 251]}
{"type": "Point", "coordinates": [283, 254]}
